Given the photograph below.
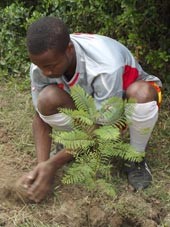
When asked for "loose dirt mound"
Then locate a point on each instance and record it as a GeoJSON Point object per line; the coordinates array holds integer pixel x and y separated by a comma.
{"type": "Point", "coordinates": [73, 206]}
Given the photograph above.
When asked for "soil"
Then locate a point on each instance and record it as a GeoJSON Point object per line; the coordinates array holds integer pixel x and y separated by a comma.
{"type": "Point", "coordinates": [72, 205]}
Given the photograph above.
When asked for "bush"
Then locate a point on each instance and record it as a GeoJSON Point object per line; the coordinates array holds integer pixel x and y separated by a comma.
{"type": "Point", "coordinates": [141, 25]}
{"type": "Point", "coordinates": [12, 42]}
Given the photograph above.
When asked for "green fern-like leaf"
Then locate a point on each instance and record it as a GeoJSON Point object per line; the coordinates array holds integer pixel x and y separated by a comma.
{"type": "Point", "coordinates": [80, 115]}
{"type": "Point", "coordinates": [120, 123]}
{"type": "Point", "coordinates": [74, 139]}
{"type": "Point", "coordinates": [78, 173]}
{"type": "Point", "coordinates": [129, 109]}
{"type": "Point", "coordinates": [83, 101]}
{"type": "Point", "coordinates": [83, 169]}
{"type": "Point", "coordinates": [111, 111]}
{"type": "Point", "coordinates": [107, 133]}
{"type": "Point", "coordinates": [127, 152]}
{"type": "Point", "coordinates": [105, 187]}
{"type": "Point", "coordinates": [113, 102]}
{"type": "Point", "coordinates": [133, 156]}
{"type": "Point", "coordinates": [119, 149]}
{"type": "Point", "coordinates": [105, 170]}
{"type": "Point", "coordinates": [107, 150]}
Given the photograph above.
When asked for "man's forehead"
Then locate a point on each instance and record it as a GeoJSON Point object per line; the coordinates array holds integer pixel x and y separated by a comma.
{"type": "Point", "coordinates": [46, 58]}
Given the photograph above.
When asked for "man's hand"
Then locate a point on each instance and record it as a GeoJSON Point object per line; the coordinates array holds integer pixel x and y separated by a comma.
{"type": "Point", "coordinates": [38, 182]}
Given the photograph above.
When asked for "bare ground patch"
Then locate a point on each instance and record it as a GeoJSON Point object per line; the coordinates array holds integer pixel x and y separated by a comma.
{"type": "Point", "coordinates": [73, 206]}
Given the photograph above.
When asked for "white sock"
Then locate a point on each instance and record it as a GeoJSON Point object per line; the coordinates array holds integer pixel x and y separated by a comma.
{"type": "Point", "coordinates": [59, 120]}
{"type": "Point", "coordinates": [142, 120]}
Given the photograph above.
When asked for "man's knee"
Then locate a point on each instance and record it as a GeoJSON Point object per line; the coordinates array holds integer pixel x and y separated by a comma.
{"type": "Point", "coordinates": [51, 98]}
{"type": "Point", "coordinates": [142, 92]}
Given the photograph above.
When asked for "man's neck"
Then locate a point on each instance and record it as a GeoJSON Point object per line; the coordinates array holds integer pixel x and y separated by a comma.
{"type": "Point", "coordinates": [71, 70]}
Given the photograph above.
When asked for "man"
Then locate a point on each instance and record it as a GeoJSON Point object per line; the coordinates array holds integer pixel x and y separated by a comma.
{"type": "Point", "coordinates": [104, 68]}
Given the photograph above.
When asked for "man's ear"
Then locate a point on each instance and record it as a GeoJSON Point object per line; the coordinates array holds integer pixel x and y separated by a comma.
{"type": "Point", "coordinates": [70, 48]}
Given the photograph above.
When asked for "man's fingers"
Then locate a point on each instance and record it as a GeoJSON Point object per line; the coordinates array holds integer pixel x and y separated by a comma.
{"type": "Point", "coordinates": [21, 181]}
{"type": "Point", "coordinates": [37, 192]}
{"type": "Point", "coordinates": [38, 196]}
{"type": "Point", "coordinates": [27, 179]}
{"type": "Point", "coordinates": [38, 189]}
{"type": "Point", "coordinates": [32, 175]}
{"type": "Point", "coordinates": [37, 186]}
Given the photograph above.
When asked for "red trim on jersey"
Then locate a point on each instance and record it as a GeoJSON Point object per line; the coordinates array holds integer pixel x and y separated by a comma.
{"type": "Point", "coordinates": [129, 76]}
{"type": "Point", "coordinates": [75, 78]}
{"type": "Point", "coordinates": [60, 85]}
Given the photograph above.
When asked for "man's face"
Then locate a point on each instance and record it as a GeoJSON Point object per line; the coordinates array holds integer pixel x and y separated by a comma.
{"type": "Point", "coordinates": [51, 63]}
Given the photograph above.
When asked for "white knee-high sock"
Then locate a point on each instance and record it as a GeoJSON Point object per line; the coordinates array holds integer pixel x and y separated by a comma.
{"type": "Point", "coordinates": [142, 118]}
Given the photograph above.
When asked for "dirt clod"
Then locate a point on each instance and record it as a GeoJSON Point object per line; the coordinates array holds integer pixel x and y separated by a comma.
{"type": "Point", "coordinates": [96, 216]}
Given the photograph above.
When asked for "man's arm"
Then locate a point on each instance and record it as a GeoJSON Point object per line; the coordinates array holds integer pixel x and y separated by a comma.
{"type": "Point", "coordinates": [42, 138]}
{"type": "Point", "coordinates": [42, 177]}
{"type": "Point", "coordinates": [39, 181]}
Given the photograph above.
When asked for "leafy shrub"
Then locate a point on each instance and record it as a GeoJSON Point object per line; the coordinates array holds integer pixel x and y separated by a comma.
{"type": "Point", "coordinates": [140, 25]}
{"type": "Point", "coordinates": [12, 42]}
{"type": "Point", "coordinates": [93, 141]}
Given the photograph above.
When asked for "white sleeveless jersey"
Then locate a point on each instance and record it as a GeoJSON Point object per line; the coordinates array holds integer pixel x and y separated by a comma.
{"type": "Point", "coordinates": [105, 68]}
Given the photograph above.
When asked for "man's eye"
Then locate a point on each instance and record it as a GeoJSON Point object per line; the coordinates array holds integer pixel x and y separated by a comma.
{"type": "Point", "coordinates": [51, 66]}
{"type": "Point", "coordinates": [48, 67]}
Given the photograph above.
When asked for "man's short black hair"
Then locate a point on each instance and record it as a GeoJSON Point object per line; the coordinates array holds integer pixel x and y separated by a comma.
{"type": "Point", "coordinates": [47, 33]}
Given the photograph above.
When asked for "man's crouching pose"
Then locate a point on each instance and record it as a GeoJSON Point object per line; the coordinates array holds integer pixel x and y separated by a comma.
{"type": "Point", "coordinates": [104, 68]}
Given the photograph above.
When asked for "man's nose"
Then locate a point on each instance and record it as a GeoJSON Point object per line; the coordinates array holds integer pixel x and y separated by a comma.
{"type": "Point", "coordinates": [47, 72]}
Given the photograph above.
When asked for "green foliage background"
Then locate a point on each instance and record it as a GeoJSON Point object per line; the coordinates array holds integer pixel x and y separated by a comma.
{"type": "Point", "coordinates": [143, 26]}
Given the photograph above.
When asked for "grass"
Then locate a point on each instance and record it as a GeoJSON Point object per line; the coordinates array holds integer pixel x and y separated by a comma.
{"type": "Point", "coordinates": [69, 205]}
{"type": "Point", "coordinates": [15, 114]}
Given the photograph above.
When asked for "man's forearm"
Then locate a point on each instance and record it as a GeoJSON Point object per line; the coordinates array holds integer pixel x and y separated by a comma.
{"type": "Point", "coordinates": [42, 138]}
{"type": "Point", "coordinates": [62, 157]}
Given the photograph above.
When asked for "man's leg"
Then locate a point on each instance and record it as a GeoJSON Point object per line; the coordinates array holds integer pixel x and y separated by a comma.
{"type": "Point", "coordinates": [141, 123]}
{"type": "Point", "coordinates": [50, 100]}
